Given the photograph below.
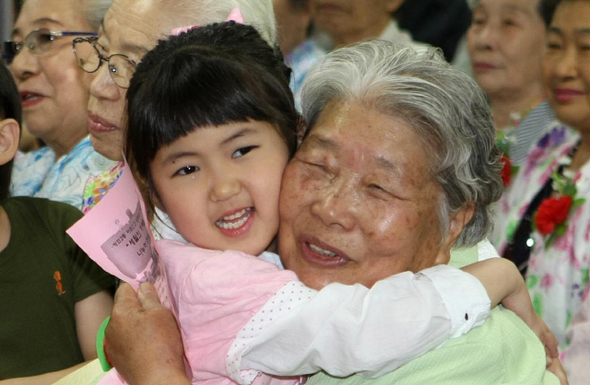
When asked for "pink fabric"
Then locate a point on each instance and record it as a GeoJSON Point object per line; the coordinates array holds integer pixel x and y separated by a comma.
{"type": "Point", "coordinates": [234, 15]}
{"type": "Point", "coordinates": [576, 358]}
{"type": "Point", "coordinates": [216, 294]}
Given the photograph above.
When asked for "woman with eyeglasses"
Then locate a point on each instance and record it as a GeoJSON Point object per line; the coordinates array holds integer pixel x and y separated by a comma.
{"type": "Point", "coordinates": [54, 96]}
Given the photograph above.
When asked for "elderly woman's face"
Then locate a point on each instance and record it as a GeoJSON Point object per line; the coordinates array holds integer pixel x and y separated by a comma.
{"type": "Point", "coordinates": [131, 28]}
{"type": "Point", "coordinates": [54, 91]}
{"type": "Point", "coordinates": [506, 42]}
{"type": "Point", "coordinates": [348, 21]}
{"type": "Point", "coordinates": [358, 202]}
{"type": "Point", "coordinates": [566, 65]}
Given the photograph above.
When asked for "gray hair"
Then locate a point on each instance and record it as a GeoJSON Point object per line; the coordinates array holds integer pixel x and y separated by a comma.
{"type": "Point", "coordinates": [447, 109]}
{"type": "Point", "coordinates": [94, 11]}
{"type": "Point", "coordinates": [257, 13]}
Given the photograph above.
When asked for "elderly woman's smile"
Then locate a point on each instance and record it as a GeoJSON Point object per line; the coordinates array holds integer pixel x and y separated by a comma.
{"type": "Point", "coordinates": [358, 200]}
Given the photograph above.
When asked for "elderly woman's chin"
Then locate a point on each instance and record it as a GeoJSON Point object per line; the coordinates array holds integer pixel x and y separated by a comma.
{"type": "Point", "coordinates": [108, 143]}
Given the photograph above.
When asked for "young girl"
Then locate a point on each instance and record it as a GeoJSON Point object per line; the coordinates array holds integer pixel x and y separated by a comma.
{"type": "Point", "coordinates": [211, 128]}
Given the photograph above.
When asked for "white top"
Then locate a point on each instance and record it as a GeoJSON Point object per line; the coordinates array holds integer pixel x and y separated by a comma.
{"type": "Point", "coordinates": [426, 308]}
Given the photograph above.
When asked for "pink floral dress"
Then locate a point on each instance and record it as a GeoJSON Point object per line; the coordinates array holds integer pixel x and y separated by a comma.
{"type": "Point", "coordinates": [557, 277]}
{"type": "Point", "coordinates": [532, 175]}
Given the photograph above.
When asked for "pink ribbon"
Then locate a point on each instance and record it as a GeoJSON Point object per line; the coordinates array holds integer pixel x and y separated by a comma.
{"type": "Point", "coordinates": [234, 15]}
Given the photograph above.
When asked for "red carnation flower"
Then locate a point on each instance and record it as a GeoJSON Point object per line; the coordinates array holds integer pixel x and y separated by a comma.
{"type": "Point", "coordinates": [506, 172]}
{"type": "Point", "coordinates": [552, 212]}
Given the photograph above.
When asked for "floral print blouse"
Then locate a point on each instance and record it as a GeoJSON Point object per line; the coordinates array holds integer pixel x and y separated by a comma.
{"type": "Point", "coordinates": [532, 175]}
{"type": "Point", "coordinates": [557, 275]}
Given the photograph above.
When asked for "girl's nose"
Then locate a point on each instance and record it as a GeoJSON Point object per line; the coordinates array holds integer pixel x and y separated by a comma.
{"type": "Point", "coordinates": [225, 188]}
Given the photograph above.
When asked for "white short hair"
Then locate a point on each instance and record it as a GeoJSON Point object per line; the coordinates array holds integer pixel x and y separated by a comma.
{"type": "Point", "coordinates": [257, 13]}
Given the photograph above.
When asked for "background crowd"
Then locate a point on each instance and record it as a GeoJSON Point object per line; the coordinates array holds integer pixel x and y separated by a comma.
{"type": "Point", "coordinates": [506, 97]}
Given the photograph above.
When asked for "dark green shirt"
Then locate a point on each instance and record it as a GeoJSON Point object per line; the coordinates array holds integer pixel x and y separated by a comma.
{"type": "Point", "coordinates": [43, 273]}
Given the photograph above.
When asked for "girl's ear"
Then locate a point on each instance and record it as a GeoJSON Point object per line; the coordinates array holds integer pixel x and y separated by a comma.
{"type": "Point", "coordinates": [9, 138]}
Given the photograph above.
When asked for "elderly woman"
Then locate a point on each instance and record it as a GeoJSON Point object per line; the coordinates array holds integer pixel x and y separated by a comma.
{"type": "Point", "coordinates": [130, 29]}
{"type": "Point", "coordinates": [54, 94]}
{"type": "Point", "coordinates": [358, 205]}
{"type": "Point", "coordinates": [558, 273]}
{"type": "Point", "coordinates": [506, 42]}
{"type": "Point", "coordinates": [351, 21]}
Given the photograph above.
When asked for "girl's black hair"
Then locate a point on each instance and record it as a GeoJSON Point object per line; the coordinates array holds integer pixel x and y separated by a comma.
{"type": "Point", "coordinates": [217, 74]}
{"type": "Point", "coordinates": [10, 108]}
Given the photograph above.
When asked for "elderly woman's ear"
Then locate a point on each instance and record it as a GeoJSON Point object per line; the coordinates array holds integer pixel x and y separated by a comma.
{"type": "Point", "coordinates": [457, 223]}
{"type": "Point", "coordinates": [9, 138]}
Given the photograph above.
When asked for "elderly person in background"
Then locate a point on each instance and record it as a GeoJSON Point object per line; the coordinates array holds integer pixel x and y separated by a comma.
{"type": "Point", "coordinates": [558, 273]}
{"type": "Point", "coordinates": [506, 42]}
{"type": "Point", "coordinates": [301, 53]}
{"type": "Point", "coordinates": [129, 30]}
{"type": "Point", "coordinates": [398, 165]}
{"type": "Point", "coordinates": [54, 94]}
{"type": "Point", "coordinates": [351, 21]}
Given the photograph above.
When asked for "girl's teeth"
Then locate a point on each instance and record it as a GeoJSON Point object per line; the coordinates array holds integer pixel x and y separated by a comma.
{"type": "Point", "coordinates": [225, 223]}
{"type": "Point", "coordinates": [322, 251]}
{"type": "Point", "coordinates": [235, 216]}
{"type": "Point", "coordinates": [233, 225]}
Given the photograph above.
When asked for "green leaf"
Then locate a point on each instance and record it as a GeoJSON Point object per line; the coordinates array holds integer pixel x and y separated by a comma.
{"type": "Point", "coordinates": [550, 240]}
{"type": "Point", "coordinates": [538, 304]}
{"type": "Point", "coordinates": [532, 281]}
{"type": "Point", "coordinates": [560, 229]}
{"type": "Point", "coordinates": [577, 202]}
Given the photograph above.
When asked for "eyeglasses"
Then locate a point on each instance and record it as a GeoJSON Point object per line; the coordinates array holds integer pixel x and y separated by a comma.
{"type": "Point", "coordinates": [38, 42]}
{"type": "Point", "coordinates": [89, 58]}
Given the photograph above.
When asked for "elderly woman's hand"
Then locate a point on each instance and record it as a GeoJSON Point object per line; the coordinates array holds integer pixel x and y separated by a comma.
{"type": "Point", "coordinates": [143, 340]}
{"type": "Point", "coordinates": [556, 368]}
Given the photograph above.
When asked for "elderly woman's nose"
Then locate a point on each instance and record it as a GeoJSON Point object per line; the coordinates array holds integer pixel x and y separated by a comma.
{"type": "Point", "coordinates": [486, 36]}
{"type": "Point", "coordinates": [103, 87]}
{"type": "Point", "coordinates": [566, 64]}
{"type": "Point", "coordinates": [336, 205]}
{"type": "Point", "coordinates": [25, 65]}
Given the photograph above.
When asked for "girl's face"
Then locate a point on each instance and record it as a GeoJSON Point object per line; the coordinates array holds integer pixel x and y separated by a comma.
{"type": "Point", "coordinates": [220, 185]}
{"type": "Point", "coordinates": [566, 65]}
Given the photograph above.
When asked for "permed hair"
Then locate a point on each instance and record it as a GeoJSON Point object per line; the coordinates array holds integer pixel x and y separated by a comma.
{"type": "Point", "coordinates": [214, 75]}
{"type": "Point", "coordinates": [446, 108]}
{"type": "Point", "coordinates": [10, 108]}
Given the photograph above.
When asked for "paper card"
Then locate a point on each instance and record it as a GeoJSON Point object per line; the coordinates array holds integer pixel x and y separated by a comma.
{"type": "Point", "coordinates": [116, 234]}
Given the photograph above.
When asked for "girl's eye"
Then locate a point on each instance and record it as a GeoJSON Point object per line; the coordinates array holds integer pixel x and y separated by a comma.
{"type": "Point", "coordinates": [187, 170]}
{"type": "Point", "coordinates": [243, 151]}
{"type": "Point", "coordinates": [552, 45]}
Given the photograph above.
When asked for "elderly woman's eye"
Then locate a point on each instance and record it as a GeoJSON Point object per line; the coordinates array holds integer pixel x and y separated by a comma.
{"type": "Point", "coordinates": [186, 170]}
{"type": "Point", "coordinates": [377, 187]}
{"type": "Point", "coordinates": [478, 21]}
{"type": "Point", "coordinates": [508, 22]}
